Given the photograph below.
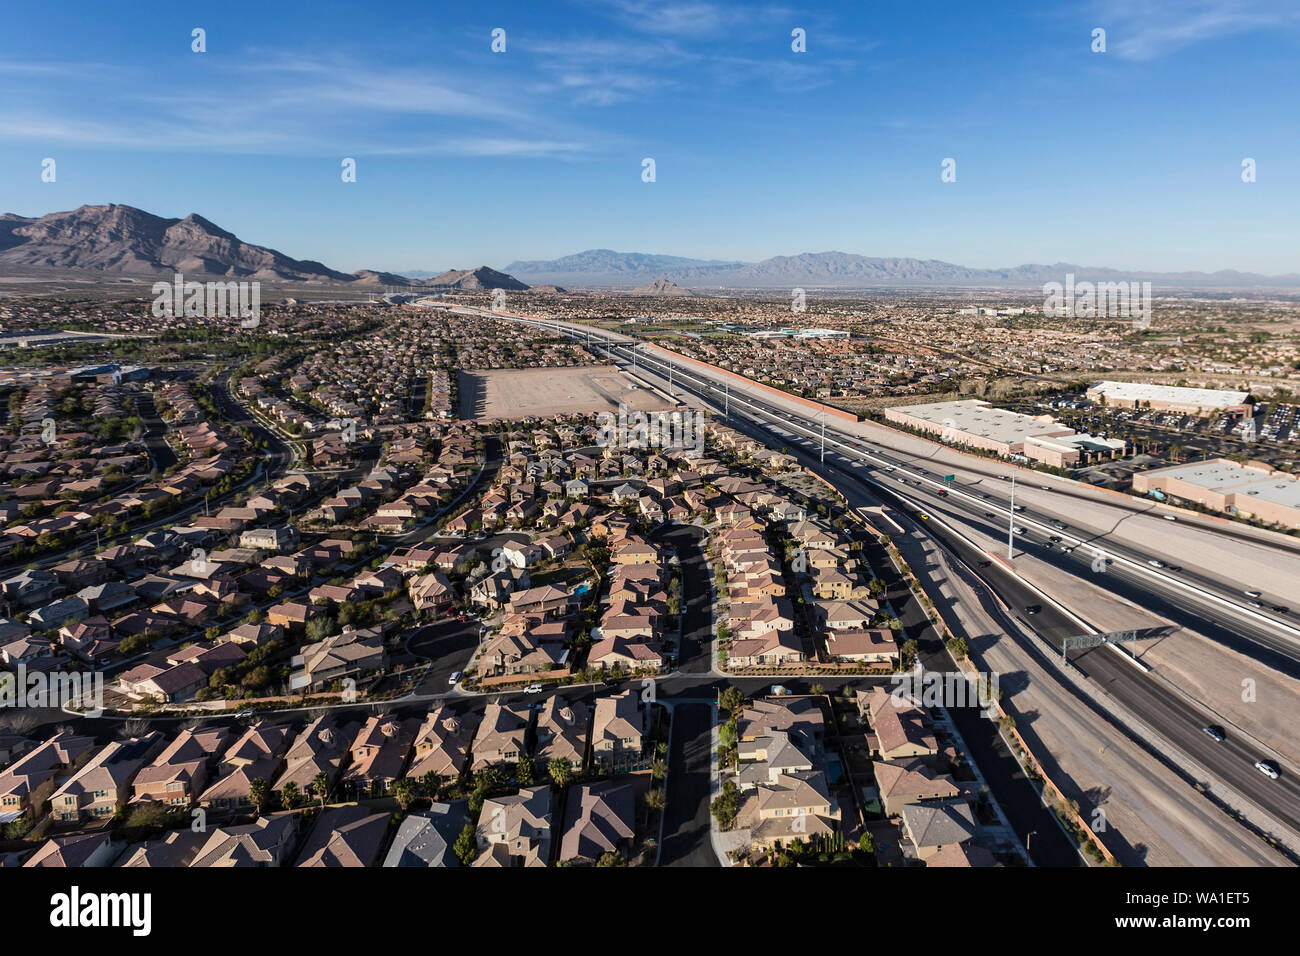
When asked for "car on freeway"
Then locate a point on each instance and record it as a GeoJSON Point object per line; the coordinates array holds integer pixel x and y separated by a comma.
{"type": "Point", "coordinates": [985, 563]}
{"type": "Point", "coordinates": [1020, 507]}
{"type": "Point", "coordinates": [1058, 526]}
{"type": "Point", "coordinates": [1253, 594]}
{"type": "Point", "coordinates": [1254, 604]}
{"type": "Point", "coordinates": [1215, 732]}
{"type": "Point", "coordinates": [1020, 530]}
{"type": "Point", "coordinates": [1156, 564]}
{"type": "Point", "coordinates": [1171, 517]}
{"type": "Point", "coordinates": [1068, 549]}
{"type": "Point", "coordinates": [941, 493]}
{"type": "Point", "coordinates": [1268, 768]}
{"type": "Point", "coordinates": [1281, 609]}
{"type": "Point", "coordinates": [1045, 488]}
{"type": "Point", "coordinates": [1033, 608]}
{"type": "Point", "coordinates": [1055, 537]}
{"type": "Point", "coordinates": [533, 689]}
{"type": "Point", "coordinates": [989, 514]}
{"type": "Point", "coordinates": [454, 679]}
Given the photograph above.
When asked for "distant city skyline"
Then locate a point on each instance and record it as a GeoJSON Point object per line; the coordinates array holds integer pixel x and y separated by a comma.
{"type": "Point", "coordinates": [1129, 159]}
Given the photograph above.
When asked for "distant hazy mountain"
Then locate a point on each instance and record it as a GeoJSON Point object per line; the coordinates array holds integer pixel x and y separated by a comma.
{"type": "Point", "coordinates": [841, 270]}
{"type": "Point", "coordinates": [472, 280]}
{"type": "Point", "coordinates": [611, 268]}
{"type": "Point", "coordinates": [661, 287]}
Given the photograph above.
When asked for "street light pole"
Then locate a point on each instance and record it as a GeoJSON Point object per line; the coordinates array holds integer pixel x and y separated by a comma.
{"type": "Point", "coordinates": [1011, 518]}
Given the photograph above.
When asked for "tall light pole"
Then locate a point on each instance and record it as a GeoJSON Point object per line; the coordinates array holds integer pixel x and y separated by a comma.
{"type": "Point", "coordinates": [1011, 518]}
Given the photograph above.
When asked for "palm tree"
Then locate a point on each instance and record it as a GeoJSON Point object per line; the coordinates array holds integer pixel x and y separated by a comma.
{"type": "Point", "coordinates": [432, 784]}
{"type": "Point", "coordinates": [289, 795]}
{"type": "Point", "coordinates": [320, 785]}
{"type": "Point", "coordinates": [257, 793]}
{"type": "Point", "coordinates": [404, 792]}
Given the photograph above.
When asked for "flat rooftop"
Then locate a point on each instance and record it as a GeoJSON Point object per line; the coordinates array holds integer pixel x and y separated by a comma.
{"type": "Point", "coordinates": [1228, 477]}
{"type": "Point", "coordinates": [1146, 392]}
{"type": "Point", "coordinates": [974, 417]}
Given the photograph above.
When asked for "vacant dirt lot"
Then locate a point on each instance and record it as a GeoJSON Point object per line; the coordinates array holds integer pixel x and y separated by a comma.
{"type": "Point", "coordinates": [520, 393]}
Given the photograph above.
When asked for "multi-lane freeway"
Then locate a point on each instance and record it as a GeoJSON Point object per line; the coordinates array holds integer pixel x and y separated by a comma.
{"type": "Point", "coordinates": [979, 497]}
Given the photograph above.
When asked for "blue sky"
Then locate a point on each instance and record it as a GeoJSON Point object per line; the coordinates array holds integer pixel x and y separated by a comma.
{"type": "Point", "coordinates": [1129, 158]}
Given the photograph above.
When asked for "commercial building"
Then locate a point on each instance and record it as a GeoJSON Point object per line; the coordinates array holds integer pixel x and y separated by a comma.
{"type": "Point", "coordinates": [1169, 398]}
{"type": "Point", "coordinates": [1253, 490]}
{"type": "Point", "coordinates": [977, 424]}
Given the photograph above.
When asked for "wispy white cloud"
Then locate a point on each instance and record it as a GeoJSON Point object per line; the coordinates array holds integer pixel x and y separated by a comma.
{"type": "Point", "coordinates": [1156, 28]}
{"type": "Point", "coordinates": [292, 105]}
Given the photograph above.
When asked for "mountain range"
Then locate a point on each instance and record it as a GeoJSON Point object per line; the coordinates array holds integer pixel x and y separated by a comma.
{"type": "Point", "coordinates": [843, 270]}
{"type": "Point", "coordinates": [122, 239]}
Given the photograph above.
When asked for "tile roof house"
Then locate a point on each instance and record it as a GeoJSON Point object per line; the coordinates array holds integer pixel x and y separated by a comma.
{"type": "Point", "coordinates": [427, 837]}
{"type": "Point", "coordinates": [599, 818]}
{"type": "Point", "coordinates": [378, 753]}
{"type": "Point", "coordinates": [348, 836]}
{"type": "Point", "coordinates": [515, 830]}
{"type": "Point", "coordinates": [97, 789]}
{"type": "Point", "coordinates": [562, 731]}
{"type": "Point", "coordinates": [932, 828]}
{"type": "Point", "coordinates": [903, 782]}
{"type": "Point", "coordinates": [28, 782]}
{"type": "Point", "coordinates": [501, 736]}
{"type": "Point", "coordinates": [258, 754]}
{"type": "Point", "coordinates": [79, 850]}
{"type": "Point", "coordinates": [618, 729]}
{"type": "Point", "coordinates": [900, 727]}
{"type": "Point", "coordinates": [442, 743]}
{"type": "Point", "coordinates": [266, 842]}
{"type": "Point", "coordinates": [180, 773]}
{"type": "Point", "coordinates": [320, 748]}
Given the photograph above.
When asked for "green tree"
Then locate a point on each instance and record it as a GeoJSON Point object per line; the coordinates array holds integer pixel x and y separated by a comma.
{"type": "Point", "coordinates": [257, 794]}
{"type": "Point", "coordinates": [560, 770]}
{"type": "Point", "coordinates": [466, 846]}
{"type": "Point", "coordinates": [403, 792]}
{"type": "Point", "coordinates": [726, 805]}
{"type": "Point", "coordinates": [432, 783]}
{"type": "Point", "coordinates": [290, 796]}
{"type": "Point", "coordinates": [732, 700]}
{"type": "Point", "coordinates": [320, 786]}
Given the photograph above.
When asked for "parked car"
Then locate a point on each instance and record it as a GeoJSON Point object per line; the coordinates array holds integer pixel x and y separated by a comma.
{"type": "Point", "coordinates": [533, 689]}
{"type": "Point", "coordinates": [454, 679]}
